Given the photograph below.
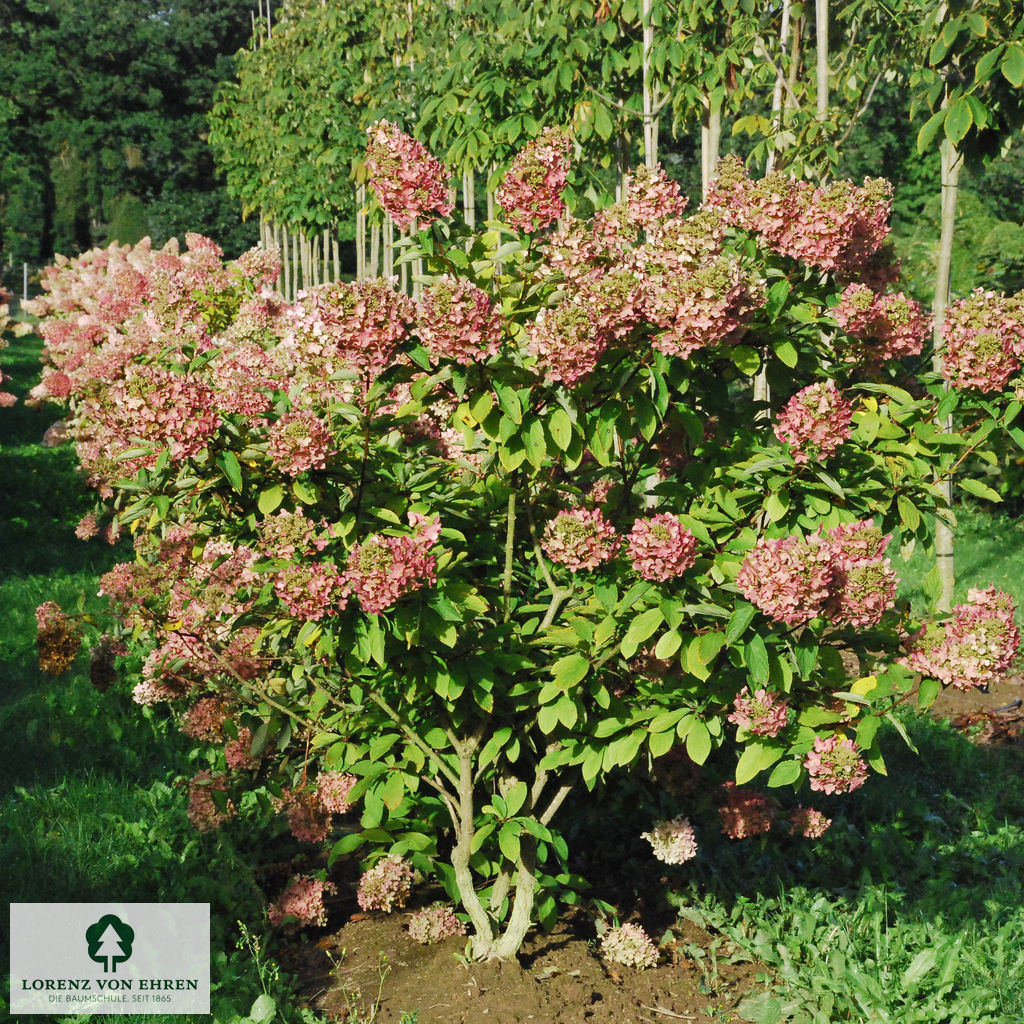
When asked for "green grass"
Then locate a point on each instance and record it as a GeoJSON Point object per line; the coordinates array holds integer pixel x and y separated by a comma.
{"type": "Point", "coordinates": [910, 909]}
{"type": "Point", "coordinates": [92, 804]}
{"type": "Point", "coordinates": [989, 551]}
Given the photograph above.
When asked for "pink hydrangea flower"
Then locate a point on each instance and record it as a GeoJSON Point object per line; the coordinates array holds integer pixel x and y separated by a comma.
{"type": "Point", "coordinates": [835, 766]}
{"type": "Point", "coordinates": [565, 342]}
{"type": "Point", "coordinates": [787, 578]}
{"type": "Point", "coordinates": [458, 321]}
{"type": "Point", "coordinates": [203, 812]}
{"type": "Point", "coordinates": [531, 192]}
{"type": "Point", "coordinates": [815, 422]}
{"type": "Point", "coordinates": [382, 569]}
{"type": "Point", "coordinates": [984, 341]}
{"type": "Point", "coordinates": [87, 527]}
{"type": "Point", "coordinates": [386, 885]}
{"type": "Point", "coordinates": [973, 648]}
{"type": "Point", "coordinates": [652, 197]}
{"type": "Point", "coordinates": [307, 820]}
{"type": "Point", "coordinates": [434, 924]}
{"type": "Point", "coordinates": [811, 824]}
{"type": "Point", "coordinates": [347, 324]}
{"type": "Point", "coordinates": [861, 592]}
{"type": "Point", "coordinates": [411, 184]}
{"type": "Point", "coordinates": [311, 590]}
{"type": "Point", "coordinates": [630, 946]}
{"type": "Point", "coordinates": [580, 539]}
{"type": "Point", "coordinates": [332, 790]}
{"type": "Point", "coordinates": [303, 900]}
{"type": "Point", "coordinates": [700, 309]}
{"type": "Point", "coordinates": [661, 548]}
{"type": "Point", "coordinates": [852, 543]}
{"type": "Point", "coordinates": [761, 713]}
{"type": "Point", "coordinates": [673, 842]}
{"type": "Point", "coordinates": [205, 719]}
{"type": "Point", "coordinates": [237, 752]}
{"type": "Point", "coordinates": [299, 441]}
{"type": "Point", "coordinates": [746, 812]}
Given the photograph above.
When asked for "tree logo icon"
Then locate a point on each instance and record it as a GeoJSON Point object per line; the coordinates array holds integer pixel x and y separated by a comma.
{"type": "Point", "coordinates": [110, 942]}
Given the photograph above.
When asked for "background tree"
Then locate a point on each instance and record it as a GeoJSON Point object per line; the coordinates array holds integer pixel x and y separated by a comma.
{"type": "Point", "coordinates": [103, 104]}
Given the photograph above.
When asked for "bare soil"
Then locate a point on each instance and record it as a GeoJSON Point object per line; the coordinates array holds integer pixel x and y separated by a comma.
{"type": "Point", "coordinates": [370, 970]}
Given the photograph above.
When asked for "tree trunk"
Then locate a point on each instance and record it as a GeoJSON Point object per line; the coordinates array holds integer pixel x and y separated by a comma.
{"type": "Point", "coordinates": [469, 198]}
{"type": "Point", "coordinates": [951, 163]}
{"type": "Point", "coordinates": [336, 253]}
{"type": "Point", "coordinates": [710, 142]}
{"type": "Point", "coordinates": [361, 274]}
{"type": "Point", "coordinates": [821, 56]}
{"type": "Point", "coordinates": [296, 266]}
{"type": "Point", "coordinates": [650, 117]}
{"type": "Point", "coordinates": [780, 79]}
{"type": "Point", "coordinates": [374, 250]}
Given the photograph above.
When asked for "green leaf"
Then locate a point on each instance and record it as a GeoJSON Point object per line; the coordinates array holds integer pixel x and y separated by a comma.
{"type": "Point", "coordinates": [756, 757]}
{"type": "Point", "coordinates": [641, 629]}
{"type": "Point", "coordinates": [775, 300]}
{"type": "Point", "coordinates": [603, 124]}
{"type": "Point", "coordinates": [270, 499]}
{"type": "Point", "coordinates": [305, 492]}
{"type": "Point", "coordinates": [928, 132]}
{"type": "Point", "coordinates": [909, 515]}
{"type": "Point", "coordinates": [263, 1010]}
{"type": "Point", "coordinates": [667, 645]}
{"type": "Point", "coordinates": [746, 359]}
{"type": "Point", "coordinates": [515, 798]}
{"type": "Point", "coordinates": [568, 671]}
{"type": "Point", "coordinates": [738, 622]}
{"type": "Point", "coordinates": [787, 352]}
{"type": "Point", "coordinates": [508, 839]}
{"type": "Point", "coordinates": [1013, 65]}
{"type": "Point", "coordinates": [924, 962]}
{"type": "Point", "coordinates": [927, 692]}
{"type": "Point", "coordinates": [561, 428]}
{"type": "Point", "coordinates": [228, 462]}
{"type": "Point", "coordinates": [785, 774]}
{"type": "Point", "coordinates": [977, 488]}
{"type": "Point", "coordinates": [757, 660]}
{"type": "Point", "coordinates": [698, 743]}
{"type": "Point", "coordinates": [958, 121]}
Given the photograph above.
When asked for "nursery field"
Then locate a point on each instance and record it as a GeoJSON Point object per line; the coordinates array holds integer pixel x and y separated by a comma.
{"type": "Point", "coordinates": [909, 909]}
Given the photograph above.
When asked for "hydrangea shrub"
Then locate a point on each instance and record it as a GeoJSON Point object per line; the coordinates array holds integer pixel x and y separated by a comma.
{"type": "Point", "coordinates": [434, 566]}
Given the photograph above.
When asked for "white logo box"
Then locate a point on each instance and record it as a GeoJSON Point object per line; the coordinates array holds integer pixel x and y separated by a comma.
{"type": "Point", "coordinates": [110, 958]}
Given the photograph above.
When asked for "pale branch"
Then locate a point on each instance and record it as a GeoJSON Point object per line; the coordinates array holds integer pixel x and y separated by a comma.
{"type": "Point", "coordinates": [556, 801]}
{"type": "Point", "coordinates": [860, 111]}
{"type": "Point", "coordinates": [510, 532]}
{"type": "Point", "coordinates": [416, 740]}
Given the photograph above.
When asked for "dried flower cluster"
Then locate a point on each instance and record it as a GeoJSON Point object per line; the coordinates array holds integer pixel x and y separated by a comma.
{"type": "Point", "coordinates": [746, 812]}
{"type": "Point", "coordinates": [661, 548]}
{"type": "Point", "coordinates": [629, 945]}
{"type": "Point", "coordinates": [673, 842]}
{"type": "Point", "coordinates": [301, 903]}
{"type": "Point", "coordinates": [531, 192]}
{"type": "Point", "coordinates": [386, 886]}
{"type": "Point", "coordinates": [434, 924]}
{"type": "Point", "coordinates": [580, 539]}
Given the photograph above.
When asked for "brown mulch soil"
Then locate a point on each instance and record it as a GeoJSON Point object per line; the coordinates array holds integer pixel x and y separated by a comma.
{"type": "Point", "coordinates": [993, 718]}
{"type": "Point", "coordinates": [558, 979]}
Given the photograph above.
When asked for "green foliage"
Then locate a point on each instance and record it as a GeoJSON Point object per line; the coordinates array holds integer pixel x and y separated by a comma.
{"type": "Point", "coordinates": [103, 99]}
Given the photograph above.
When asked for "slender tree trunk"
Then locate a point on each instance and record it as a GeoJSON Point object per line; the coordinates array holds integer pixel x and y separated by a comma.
{"type": "Point", "coordinates": [490, 192]}
{"type": "Point", "coordinates": [336, 253]}
{"type": "Point", "coordinates": [296, 266]}
{"type": "Point", "coordinates": [389, 247]}
{"type": "Point", "coordinates": [361, 274]}
{"type": "Point", "coordinates": [650, 117]}
{"type": "Point", "coordinates": [286, 270]}
{"type": "Point", "coordinates": [951, 163]}
{"type": "Point", "coordinates": [821, 56]}
{"type": "Point", "coordinates": [710, 142]}
{"type": "Point", "coordinates": [374, 249]}
{"type": "Point", "coordinates": [469, 198]}
{"type": "Point", "coordinates": [780, 80]}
